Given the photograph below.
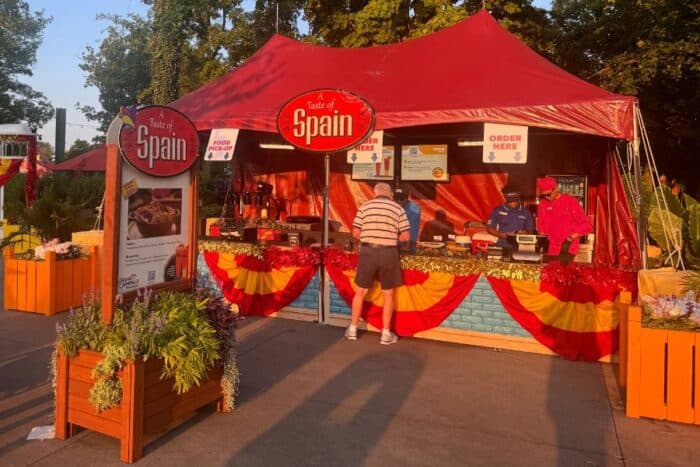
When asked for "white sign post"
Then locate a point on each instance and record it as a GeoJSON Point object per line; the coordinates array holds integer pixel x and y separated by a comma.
{"type": "Point", "coordinates": [222, 143]}
{"type": "Point", "coordinates": [505, 144]}
{"type": "Point", "coordinates": [369, 151]}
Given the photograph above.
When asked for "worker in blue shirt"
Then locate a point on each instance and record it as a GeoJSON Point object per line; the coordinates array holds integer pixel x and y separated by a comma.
{"type": "Point", "coordinates": [510, 217]}
{"type": "Point", "coordinates": [412, 212]}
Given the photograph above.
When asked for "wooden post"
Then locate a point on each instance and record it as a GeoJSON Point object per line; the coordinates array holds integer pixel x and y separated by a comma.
{"type": "Point", "coordinates": [131, 440]}
{"type": "Point", "coordinates": [61, 420]}
{"type": "Point", "coordinates": [192, 228]}
{"type": "Point", "coordinates": [634, 359]}
{"type": "Point", "coordinates": [110, 246]}
{"type": "Point", "coordinates": [624, 303]}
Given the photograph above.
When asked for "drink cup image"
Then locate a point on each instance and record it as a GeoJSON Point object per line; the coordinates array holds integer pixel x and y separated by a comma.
{"type": "Point", "coordinates": [387, 163]}
{"type": "Point", "coordinates": [377, 168]}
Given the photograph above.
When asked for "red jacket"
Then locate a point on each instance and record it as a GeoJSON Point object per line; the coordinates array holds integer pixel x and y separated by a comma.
{"type": "Point", "coordinates": [560, 218]}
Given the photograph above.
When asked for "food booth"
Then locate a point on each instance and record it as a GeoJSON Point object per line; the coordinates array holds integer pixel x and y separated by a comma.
{"type": "Point", "coordinates": [431, 97]}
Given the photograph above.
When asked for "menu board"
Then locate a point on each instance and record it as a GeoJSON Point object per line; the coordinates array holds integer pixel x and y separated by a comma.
{"type": "Point", "coordinates": [424, 162]}
{"type": "Point", "coordinates": [154, 221]}
{"type": "Point", "coordinates": [380, 170]}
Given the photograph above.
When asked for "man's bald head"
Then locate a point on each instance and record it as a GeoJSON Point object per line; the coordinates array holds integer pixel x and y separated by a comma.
{"type": "Point", "coordinates": [382, 189]}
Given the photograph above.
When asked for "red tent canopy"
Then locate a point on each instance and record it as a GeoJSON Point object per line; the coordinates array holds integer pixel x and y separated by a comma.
{"type": "Point", "coordinates": [473, 71]}
{"type": "Point", "coordinates": [92, 161]}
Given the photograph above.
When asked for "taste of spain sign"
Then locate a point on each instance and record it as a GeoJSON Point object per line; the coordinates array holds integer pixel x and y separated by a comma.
{"type": "Point", "coordinates": [325, 120]}
{"type": "Point", "coordinates": [159, 141]}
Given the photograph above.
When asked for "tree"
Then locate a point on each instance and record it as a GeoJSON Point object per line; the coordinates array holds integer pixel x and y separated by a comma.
{"type": "Point", "coordinates": [78, 147]}
{"type": "Point", "coordinates": [645, 48]}
{"type": "Point", "coordinates": [46, 151]}
{"type": "Point", "coordinates": [363, 23]}
{"type": "Point", "coordinates": [119, 68]}
{"type": "Point", "coordinates": [20, 37]}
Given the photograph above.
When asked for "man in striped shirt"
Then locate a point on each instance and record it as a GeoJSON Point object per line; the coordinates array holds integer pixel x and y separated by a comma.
{"type": "Point", "coordinates": [379, 224]}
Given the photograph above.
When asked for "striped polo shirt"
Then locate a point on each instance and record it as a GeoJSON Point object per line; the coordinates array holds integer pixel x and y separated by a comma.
{"type": "Point", "coordinates": [380, 221]}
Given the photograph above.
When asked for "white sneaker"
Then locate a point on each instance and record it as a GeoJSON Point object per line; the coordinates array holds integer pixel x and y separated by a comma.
{"type": "Point", "coordinates": [351, 334]}
{"type": "Point", "coordinates": [388, 338]}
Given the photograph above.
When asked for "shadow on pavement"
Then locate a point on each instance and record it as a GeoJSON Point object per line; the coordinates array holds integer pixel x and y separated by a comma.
{"type": "Point", "coordinates": [342, 421]}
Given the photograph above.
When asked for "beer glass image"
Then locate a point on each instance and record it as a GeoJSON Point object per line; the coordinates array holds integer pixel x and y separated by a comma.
{"type": "Point", "coordinates": [378, 168]}
{"type": "Point", "coordinates": [387, 163]}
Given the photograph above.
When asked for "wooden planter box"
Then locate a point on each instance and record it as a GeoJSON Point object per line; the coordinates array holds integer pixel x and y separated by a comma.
{"type": "Point", "coordinates": [50, 286]}
{"type": "Point", "coordinates": [663, 378]}
{"type": "Point", "coordinates": [148, 408]}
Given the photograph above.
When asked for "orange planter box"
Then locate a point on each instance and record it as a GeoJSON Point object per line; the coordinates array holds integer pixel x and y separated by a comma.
{"type": "Point", "coordinates": [663, 378]}
{"type": "Point", "coordinates": [50, 286]}
{"type": "Point", "coordinates": [148, 408]}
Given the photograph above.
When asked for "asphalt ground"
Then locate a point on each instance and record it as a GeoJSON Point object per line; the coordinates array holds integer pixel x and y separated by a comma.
{"type": "Point", "coordinates": [309, 397]}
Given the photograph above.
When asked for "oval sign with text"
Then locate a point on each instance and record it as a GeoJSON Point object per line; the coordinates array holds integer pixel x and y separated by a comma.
{"type": "Point", "coordinates": [325, 120]}
{"type": "Point", "coordinates": [158, 140]}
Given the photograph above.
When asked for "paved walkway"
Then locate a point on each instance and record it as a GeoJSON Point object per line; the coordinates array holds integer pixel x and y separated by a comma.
{"type": "Point", "coordinates": [311, 398]}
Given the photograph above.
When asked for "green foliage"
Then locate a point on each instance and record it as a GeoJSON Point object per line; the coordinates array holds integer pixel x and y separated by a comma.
{"type": "Point", "coordinates": [21, 32]}
{"type": "Point", "coordinates": [78, 147]}
{"type": "Point", "coordinates": [672, 203]}
{"type": "Point", "coordinates": [694, 228]}
{"type": "Point", "coordinates": [171, 326]}
{"type": "Point", "coordinates": [190, 346]}
{"type": "Point", "coordinates": [646, 48]}
{"type": "Point", "coordinates": [691, 283]}
{"type": "Point", "coordinates": [674, 224]}
{"type": "Point", "coordinates": [105, 393]}
{"type": "Point", "coordinates": [119, 67]}
{"type": "Point", "coordinates": [82, 330]}
{"type": "Point", "coordinates": [377, 22]}
{"type": "Point", "coordinates": [65, 204]}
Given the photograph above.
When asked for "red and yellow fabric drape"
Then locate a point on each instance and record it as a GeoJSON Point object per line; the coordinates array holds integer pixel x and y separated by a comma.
{"type": "Point", "coordinates": [423, 301]}
{"type": "Point", "coordinates": [261, 286]}
{"type": "Point", "coordinates": [571, 310]}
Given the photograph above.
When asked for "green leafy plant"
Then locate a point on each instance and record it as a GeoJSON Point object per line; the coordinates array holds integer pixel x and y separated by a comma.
{"type": "Point", "coordinates": [65, 204]}
{"type": "Point", "coordinates": [176, 327]}
{"type": "Point", "coordinates": [669, 221]}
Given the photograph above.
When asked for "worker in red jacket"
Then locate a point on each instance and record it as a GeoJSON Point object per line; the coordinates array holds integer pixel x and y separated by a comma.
{"type": "Point", "coordinates": [561, 218]}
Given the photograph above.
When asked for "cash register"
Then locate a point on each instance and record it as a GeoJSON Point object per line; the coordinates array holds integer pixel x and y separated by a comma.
{"type": "Point", "coordinates": [530, 247]}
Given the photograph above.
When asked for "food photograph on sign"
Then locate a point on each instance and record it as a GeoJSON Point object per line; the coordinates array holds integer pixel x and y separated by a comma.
{"type": "Point", "coordinates": [424, 163]}
{"type": "Point", "coordinates": [381, 169]}
{"type": "Point", "coordinates": [155, 213]}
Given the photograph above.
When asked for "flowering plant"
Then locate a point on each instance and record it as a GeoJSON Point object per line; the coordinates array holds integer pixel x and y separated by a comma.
{"type": "Point", "coordinates": [668, 311]}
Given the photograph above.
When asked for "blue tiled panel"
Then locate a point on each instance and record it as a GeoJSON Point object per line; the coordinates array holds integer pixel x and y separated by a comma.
{"type": "Point", "coordinates": [309, 297]}
{"type": "Point", "coordinates": [482, 311]}
{"type": "Point", "coordinates": [338, 305]}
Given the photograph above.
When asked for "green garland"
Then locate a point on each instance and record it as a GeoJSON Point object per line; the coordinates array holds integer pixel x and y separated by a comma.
{"type": "Point", "coordinates": [234, 248]}
{"type": "Point", "coordinates": [471, 265]}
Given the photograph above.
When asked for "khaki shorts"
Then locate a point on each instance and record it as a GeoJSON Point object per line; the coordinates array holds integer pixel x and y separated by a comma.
{"type": "Point", "coordinates": [380, 261]}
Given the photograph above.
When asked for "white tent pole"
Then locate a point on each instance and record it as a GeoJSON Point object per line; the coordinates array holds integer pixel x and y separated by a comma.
{"type": "Point", "coordinates": [637, 168]}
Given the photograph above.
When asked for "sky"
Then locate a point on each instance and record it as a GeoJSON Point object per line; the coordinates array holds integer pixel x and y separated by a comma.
{"type": "Point", "coordinates": [56, 72]}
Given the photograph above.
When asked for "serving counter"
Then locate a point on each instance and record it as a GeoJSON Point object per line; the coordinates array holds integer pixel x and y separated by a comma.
{"type": "Point", "coordinates": [568, 310]}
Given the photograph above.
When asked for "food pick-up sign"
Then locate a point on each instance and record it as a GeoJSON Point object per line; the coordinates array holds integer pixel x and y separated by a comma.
{"type": "Point", "coordinates": [325, 120]}
{"type": "Point", "coordinates": [159, 141]}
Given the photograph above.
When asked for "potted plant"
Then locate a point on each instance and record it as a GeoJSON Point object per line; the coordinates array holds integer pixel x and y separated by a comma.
{"type": "Point", "coordinates": [162, 358]}
{"type": "Point", "coordinates": [57, 280]}
{"type": "Point", "coordinates": [663, 355]}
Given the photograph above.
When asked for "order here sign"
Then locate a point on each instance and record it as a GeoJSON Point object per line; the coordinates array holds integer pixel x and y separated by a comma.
{"type": "Point", "coordinates": [505, 144]}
